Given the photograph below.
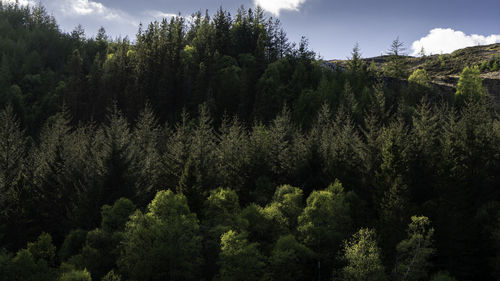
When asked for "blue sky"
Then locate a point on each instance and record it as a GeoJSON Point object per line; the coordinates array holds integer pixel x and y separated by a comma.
{"type": "Point", "coordinates": [332, 26]}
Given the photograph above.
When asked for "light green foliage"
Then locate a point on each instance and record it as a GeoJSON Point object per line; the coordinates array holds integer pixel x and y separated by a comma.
{"type": "Point", "coordinates": [442, 61]}
{"type": "Point", "coordinates": [163, 243]}
{"type": "Point", "coordinates": [420, 77]}
{"type": "Point", "coordinates": [362, 256]}
{"type": "Point", "coordinates": [326, 215]}
{"type": "Point", "coordinates": [76, 275]}
{"type": "Point", "coordinates": [496, 65]}
{"type": "Point", "coordinates": [288, 201]}
{"type": "Point", "coordinates": [220, 214]}
{"type": "Point", "coordinates": [111, 276]}
{"type": "Point", "coordinates": [415, 251]}
{"type": "Point", "coordinates": [290, 260]}
{"type": "Point", "coordinates": [222, 208]}
{"type": "Point", "coordinates": [470, 85]}
{"type": "Point", "coordinates": [240, 260]}
{"type": "Point", "coordinates": [325, 222]}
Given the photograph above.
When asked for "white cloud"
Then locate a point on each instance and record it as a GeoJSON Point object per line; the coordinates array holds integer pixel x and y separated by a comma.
{"type": "Point", "coordinates": [447, 40]}
{"type": "Point", "coordinates": [159, 14]}
{"type": "Point", "coordinates": [88, 7]}
{"type": "Point", "coordinates": [275, 6]}
{"type": "Point", "coordinates": [21, 2]}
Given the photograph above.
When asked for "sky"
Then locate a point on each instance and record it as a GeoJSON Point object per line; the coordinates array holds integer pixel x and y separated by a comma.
{"type": "Point", "coordinates": [332, 27]}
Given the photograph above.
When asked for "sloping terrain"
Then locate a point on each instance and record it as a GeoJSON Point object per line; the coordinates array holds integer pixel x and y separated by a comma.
{"type": "Point", "coordinates": [445, 69]}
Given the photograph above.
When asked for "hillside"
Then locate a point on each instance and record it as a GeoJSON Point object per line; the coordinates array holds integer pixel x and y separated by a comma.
{"type": "Point", "coordinates": [445, 69]}
{"type": "Point", "coordinates": [220, 151]}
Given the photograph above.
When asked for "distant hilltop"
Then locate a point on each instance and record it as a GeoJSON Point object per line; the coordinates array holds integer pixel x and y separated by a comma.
{"type": "Point", "coordinates": [447, 64]}
{"type": "Point", "coordinates": [445, 69]}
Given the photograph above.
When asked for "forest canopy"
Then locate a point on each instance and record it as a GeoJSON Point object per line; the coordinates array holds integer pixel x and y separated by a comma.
{"type": "Point", "coordinates": [216, 149]}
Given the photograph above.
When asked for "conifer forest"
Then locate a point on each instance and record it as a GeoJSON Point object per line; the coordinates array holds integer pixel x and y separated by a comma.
{"type": "Point", "coordinates": [215, 148]}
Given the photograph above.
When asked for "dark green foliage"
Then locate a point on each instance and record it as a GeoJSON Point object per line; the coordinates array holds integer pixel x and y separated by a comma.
{"type": "Point", "coordinates": [32, 263]}
{"type": "Point", "coordinates": [101, 249]}
{"type": "Point", "coordinates": [244, 126]}
{"type": "Point", "coordinates": [414, 253]}
{"type": "Point", "coordinates": [239, 259]}
{"type": "Point", "coordinates": [73, 244]}
{"type": "Point", "coordinates": [397, 66]}
{"type": "Point", "coordinates": [290, 260]}
{"type": "Point", "coordinates": [442, 276]}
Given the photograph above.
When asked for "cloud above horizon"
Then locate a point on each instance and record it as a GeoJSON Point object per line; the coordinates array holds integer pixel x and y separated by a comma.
{"type": "Point", "coordinates": [275, 6]}
{"type": "Point", "coordinates": [21, 2]}
{"type": "Point", "coordinates": [97, 10]}
{"type": "Point", "coordinates": [447, 40]}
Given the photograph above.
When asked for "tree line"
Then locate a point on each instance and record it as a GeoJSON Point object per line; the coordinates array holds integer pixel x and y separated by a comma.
{"type": "Point", "coordinates": [219, 151]}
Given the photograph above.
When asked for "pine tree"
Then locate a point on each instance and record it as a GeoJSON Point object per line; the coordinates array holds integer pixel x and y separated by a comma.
{"type": "Point", "coordinates": [232, 155]}
{"type": "Point", "coordinates": [396, 66]}
{"type": "Point", "coordinates": [146, 136]}
{"type": "Point", "coordinates": [13, 146]}
{"type": "Point", "coordinates": [119, 178]}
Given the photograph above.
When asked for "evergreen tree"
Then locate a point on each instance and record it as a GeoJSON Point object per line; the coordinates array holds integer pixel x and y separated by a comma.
{"type": "Point", "coordinates": [232, 155]}
{"type": "Point", "coordinates": [396, 66]}
{"type": "Point", "coordinates": [12, 156]}
{"type": "Point", "coordinates": [119, 178]}
{"type": "Point", "coordinates": [147, 165]}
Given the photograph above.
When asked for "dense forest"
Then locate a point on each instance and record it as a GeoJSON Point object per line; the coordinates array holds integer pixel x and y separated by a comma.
{"type": "Point", "coordinates": [215, 149]}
